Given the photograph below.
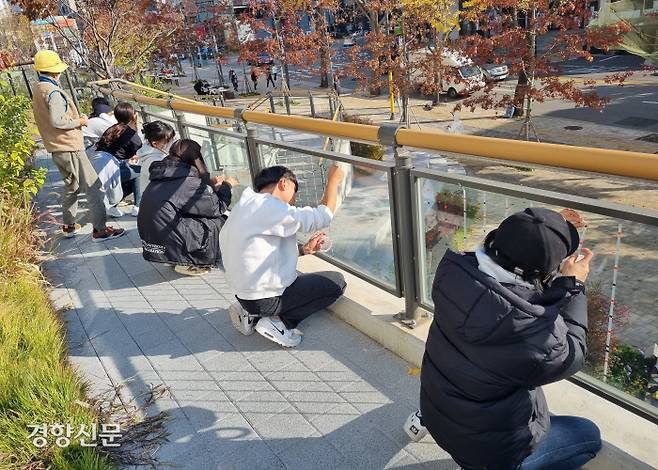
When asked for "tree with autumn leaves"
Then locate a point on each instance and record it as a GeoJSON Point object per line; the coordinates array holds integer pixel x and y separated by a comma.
{"type": "Point", "coordinates": [533, 38]}
{"type": "Point", "coordinates": [411, 38]}
{"type": "Point", "coordinates": [277, 30]}
{"type": "Point", "coordinates": [118, 38]}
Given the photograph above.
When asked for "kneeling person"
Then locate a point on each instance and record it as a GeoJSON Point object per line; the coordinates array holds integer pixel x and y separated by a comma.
{"type": "Point", "coordinates": [259, 243]}
{"type": "Point", "coordinates": [182, 211]}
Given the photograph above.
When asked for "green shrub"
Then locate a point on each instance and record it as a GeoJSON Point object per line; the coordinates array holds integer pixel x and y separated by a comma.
{"type": "Point", "coordinates": [373, 152]}
{"type": "Point", "coordinates": [629, 370]}
{"type": "Point", "coordinates": [16, 172]}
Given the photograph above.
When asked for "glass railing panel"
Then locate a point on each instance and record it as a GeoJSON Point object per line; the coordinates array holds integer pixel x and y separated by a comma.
{"type": "Point", "coordinates": [361, 234]}
{"type": "Point", "coordinates": [226, 155]}
{"type": "Point", "coordinates": [621, 190]}
{"type": "Point", "coordinates": [621, 286]}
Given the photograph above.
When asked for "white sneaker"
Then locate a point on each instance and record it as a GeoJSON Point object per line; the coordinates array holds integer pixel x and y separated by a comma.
{"type": "Point", "coordinates": [135, 211]}
{"type": "Point", "coordinates": [241, 319]}
{"type": "Point", "coordinates": [413, 427]}
{"type": "Point", "coordinates": [276, 331]}
{"type": "Point", "coordinates": [114, 212]}
{"type": "Point", "coordinates": [191, 270]}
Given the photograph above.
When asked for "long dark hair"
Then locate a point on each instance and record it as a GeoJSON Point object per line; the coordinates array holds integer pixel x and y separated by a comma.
{"type": "Point", "coordinates": [125, 115]}
{"type": "Point", "coordinates": [189, 152]}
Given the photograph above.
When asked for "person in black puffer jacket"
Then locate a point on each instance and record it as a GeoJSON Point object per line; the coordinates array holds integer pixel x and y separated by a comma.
{"type": "Point", "coordinates": [508, 318]}
{"type": "Point", "coordinates": [182, 211]}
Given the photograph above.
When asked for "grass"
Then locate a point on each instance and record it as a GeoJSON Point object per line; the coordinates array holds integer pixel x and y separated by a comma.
{"type": "Point", "coordinates": [37, 386]}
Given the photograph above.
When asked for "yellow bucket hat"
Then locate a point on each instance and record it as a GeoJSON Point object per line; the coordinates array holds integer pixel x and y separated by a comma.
{"type": "Point", "coordinates": [49, 61]}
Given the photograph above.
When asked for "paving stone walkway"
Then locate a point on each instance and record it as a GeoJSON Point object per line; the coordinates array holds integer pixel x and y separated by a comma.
{"type": "Point", "coordinates": [336, 402]}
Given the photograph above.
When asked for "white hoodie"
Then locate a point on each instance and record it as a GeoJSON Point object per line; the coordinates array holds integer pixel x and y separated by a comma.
{"type": "Point", "coordinates": [259, 244]}
{"type": "Point", "coordinates": [148, 155]}
{"type": "Point", "coordinates": [109, 174]}
{"type": "Point", "coordinates": [95, 128]}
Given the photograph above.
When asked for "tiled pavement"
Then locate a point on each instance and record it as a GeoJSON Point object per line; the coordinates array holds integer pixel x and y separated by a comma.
{"type": "Point", "coordinates": [336, 402]}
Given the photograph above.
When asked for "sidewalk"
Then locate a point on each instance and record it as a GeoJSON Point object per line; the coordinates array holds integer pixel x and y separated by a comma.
{"type": "Point", "coordinates": [336, 402]}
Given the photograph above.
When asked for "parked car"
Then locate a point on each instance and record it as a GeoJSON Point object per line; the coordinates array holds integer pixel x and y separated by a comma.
{"type": "Point", "coordinates": [349, 41]}
{"type": "Point", "coordinates": [494, 72]}
{"type": "Point", "coordinates": [461, 76]}
{"type": "Point", "coordinates": [262, 58]}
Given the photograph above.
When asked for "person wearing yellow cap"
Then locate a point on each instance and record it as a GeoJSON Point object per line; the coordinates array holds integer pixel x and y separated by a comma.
{"type": "Point", "coordinates": [60, 125]}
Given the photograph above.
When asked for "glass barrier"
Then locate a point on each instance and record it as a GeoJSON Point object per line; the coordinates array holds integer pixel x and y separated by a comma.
{"type": "Point", "coordinates": [620, 287]}
{"type": "Point", "coordinates": [628, 191]}
{"type": "Point", "coordinates": [360, 236]}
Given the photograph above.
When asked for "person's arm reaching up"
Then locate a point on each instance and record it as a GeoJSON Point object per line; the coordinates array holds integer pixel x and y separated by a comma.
{"type": "Point", "coordinates": [330, 196]}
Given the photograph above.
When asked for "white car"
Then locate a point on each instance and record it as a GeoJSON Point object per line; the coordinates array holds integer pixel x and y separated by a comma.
{"type": "Point", "coordinates": [349, 42]}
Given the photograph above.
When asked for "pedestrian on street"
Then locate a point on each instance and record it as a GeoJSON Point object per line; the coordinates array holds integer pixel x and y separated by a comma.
{"type": "Point", "coordinates": [486, 359]}
{"type": "Point", "coordinates": [269, 78]}
{"type": "Point", "coordinates": [60, 126]}
{"type": "Point", "coordinates": [254, 77]}
{"type": "Point", "coordinates": [336, 84]}
{"type": "Point", "coordinates": [234, 79]}
{"type": "Point", "coordinates": [260, 251]}
{"type": "Point", "coordinates": [275, 71]}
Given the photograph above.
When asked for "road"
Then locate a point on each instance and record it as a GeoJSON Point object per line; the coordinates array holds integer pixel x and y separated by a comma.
{"type": "Point", "coordinates": [634, 106]}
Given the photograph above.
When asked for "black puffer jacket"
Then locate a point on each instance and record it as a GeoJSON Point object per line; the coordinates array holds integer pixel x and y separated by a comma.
{"type": "Point", "coordinates": [179, 217]}
{"type": "Point", "coordinates": [489, 349]}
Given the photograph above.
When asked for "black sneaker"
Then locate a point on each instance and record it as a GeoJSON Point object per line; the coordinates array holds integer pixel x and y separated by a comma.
{"type": "Point", "coordinates": [108, 233]}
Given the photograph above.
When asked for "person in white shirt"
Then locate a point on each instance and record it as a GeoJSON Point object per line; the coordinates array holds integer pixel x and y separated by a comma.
{"type": "Point", "coordinates": [109, 174]}
{"type": "Point", "coordinates": [259, 250]}
{"type": "Point", "coordinates": [100, 120]}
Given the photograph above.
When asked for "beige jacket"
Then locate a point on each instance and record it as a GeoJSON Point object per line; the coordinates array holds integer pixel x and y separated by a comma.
{"type": "Point", "coordinates": [56, 118]}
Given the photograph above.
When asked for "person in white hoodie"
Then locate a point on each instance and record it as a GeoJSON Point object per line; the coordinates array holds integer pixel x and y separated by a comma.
{"type": "Point", "coordinates": [100, 120]}
{"type": "Point", "coordinates": [159, 137]}
{"type": "Point", "coordinates": [259, 250]}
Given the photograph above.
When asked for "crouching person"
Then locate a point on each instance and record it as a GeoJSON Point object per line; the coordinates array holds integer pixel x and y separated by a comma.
{"type": "Point", "coordinates": [181, 211]}
{"type": "Point", "coordinates": [509, 318]}
{"type": "Point", "coordinates": [259, 246]}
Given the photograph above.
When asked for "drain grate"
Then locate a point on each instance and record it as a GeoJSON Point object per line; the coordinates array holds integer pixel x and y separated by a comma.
{"type": "Point", "coordinates": [634, 121]}
{"type": "Point", "coordinates": [649, 138]}
{"type": "Point", "coordinates": [573, 128]}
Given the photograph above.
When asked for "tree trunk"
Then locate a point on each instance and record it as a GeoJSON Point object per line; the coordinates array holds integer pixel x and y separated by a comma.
{"type": "Point", "coordinates": [439, 41]}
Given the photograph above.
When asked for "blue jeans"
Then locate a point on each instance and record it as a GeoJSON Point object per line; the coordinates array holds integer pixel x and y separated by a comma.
{"type": "Point", "coordinates": [571, 442]}
{"type": "Point", "coordinates": [130, 180]}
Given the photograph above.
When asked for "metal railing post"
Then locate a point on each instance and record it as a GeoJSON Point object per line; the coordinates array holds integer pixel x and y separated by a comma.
{"type": "Point", "coordinates": [74, 95]}
{"type": "Point", "coordinates": [311, 102]}
{"type": "Point", "coordinates": [180, 123]}
{"type": "Point", "coordinates": [215, 150]}
{"type": "Point", "coordinates": [286, 100]}
{"type": "Point", "coordinates": [27, 82]}
{"type": "Point", "coordinates": [403, 224]}
{"type": "Point", "coordinates": [11, 83]}
{"type": "Point", "coordinates": [332, 109]}
{"type": "Point", "coordinates": [272, 106]}
{"type": "Point", "coordinates": [253, 154]}
{"type": "Point", "coordinates": [142, 112]}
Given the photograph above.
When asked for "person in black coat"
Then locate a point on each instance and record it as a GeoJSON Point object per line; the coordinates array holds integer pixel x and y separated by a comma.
{"type": "Point", "coordinates": [509, 318]}
{"type": "Point", "coordinates": [182, 211]}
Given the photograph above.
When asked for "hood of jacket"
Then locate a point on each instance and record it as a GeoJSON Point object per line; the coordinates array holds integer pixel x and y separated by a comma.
{"type": "Point", "coordinates": [487, 312]}
{"type": "Point", "coordinates": [148, 151]}
{"type": "Point", "coordinates": [171, 170]}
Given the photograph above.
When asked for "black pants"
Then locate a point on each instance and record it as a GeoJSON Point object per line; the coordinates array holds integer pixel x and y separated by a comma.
{"type": "Point", "coordinates": [270, 80]}
{"type": "Point", "coordinates": [307, 295]}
